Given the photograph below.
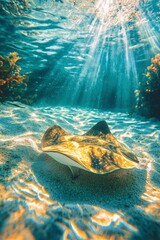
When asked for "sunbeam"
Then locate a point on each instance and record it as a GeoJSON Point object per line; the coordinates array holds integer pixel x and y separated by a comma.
{"type": "Point", "coordinates": [108, 70]}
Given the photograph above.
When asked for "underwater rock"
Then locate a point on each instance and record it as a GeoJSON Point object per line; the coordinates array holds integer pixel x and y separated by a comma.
{"type": "Point", "coordinates": [96, 151]}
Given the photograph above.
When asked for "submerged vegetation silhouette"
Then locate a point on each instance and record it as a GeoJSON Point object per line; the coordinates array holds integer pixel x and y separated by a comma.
{"type": "Point", "coordinates": [148, 95]}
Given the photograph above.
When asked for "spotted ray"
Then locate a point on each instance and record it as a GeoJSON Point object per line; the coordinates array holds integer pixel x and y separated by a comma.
{"type": "Point", "coordinates": [96, 151]}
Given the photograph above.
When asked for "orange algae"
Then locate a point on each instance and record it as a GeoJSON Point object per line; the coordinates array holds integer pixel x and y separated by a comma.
{"type": "Point", "coordinates": [148, 95]}
{"type": "Point", "coordinates": [12, 83]}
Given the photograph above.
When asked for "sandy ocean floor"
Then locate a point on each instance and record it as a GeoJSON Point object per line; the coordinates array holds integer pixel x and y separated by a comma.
{"type": "Point", "coordinates": [40, 200]}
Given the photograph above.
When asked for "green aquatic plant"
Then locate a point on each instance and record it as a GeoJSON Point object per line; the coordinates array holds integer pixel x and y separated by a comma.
{"type": "Point", "coordinates": [148, 95]}
{"type": "Point", "coordinates": [12, 83]}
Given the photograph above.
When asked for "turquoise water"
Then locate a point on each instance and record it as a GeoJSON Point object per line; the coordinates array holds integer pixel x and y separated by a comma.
{"type": "Point", "coordinates": [84, 61]}
{"type": "Point", "coordinates": [82, 53]}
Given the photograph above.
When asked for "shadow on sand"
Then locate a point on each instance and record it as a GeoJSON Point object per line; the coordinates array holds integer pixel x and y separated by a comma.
{"type": "Point", "coordinates": [118, 190]}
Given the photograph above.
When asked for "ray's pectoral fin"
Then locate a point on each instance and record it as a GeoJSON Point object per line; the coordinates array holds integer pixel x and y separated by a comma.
{"type": "Point", "coordinates": [100, 128]}
{"type": "Point", "coordinates": [75, 171]}
{"type": "Point", "coordinates": [74, 151]}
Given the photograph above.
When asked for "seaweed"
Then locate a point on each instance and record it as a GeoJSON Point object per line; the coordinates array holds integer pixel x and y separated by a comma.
{"type": "Point", "coordinates": [12, 83]}
{"type": "Point", "coordinates": [148, 95]}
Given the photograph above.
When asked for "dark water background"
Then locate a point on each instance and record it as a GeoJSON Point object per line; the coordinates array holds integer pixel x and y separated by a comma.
{"type": "Point", "coordinates": [82, 53]}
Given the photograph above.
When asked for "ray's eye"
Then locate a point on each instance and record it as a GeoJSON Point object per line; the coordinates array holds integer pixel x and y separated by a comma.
{"type": "Point", "coordinates": [112, 148]}
{"type": "Point", "coordinates": [129, 155]}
